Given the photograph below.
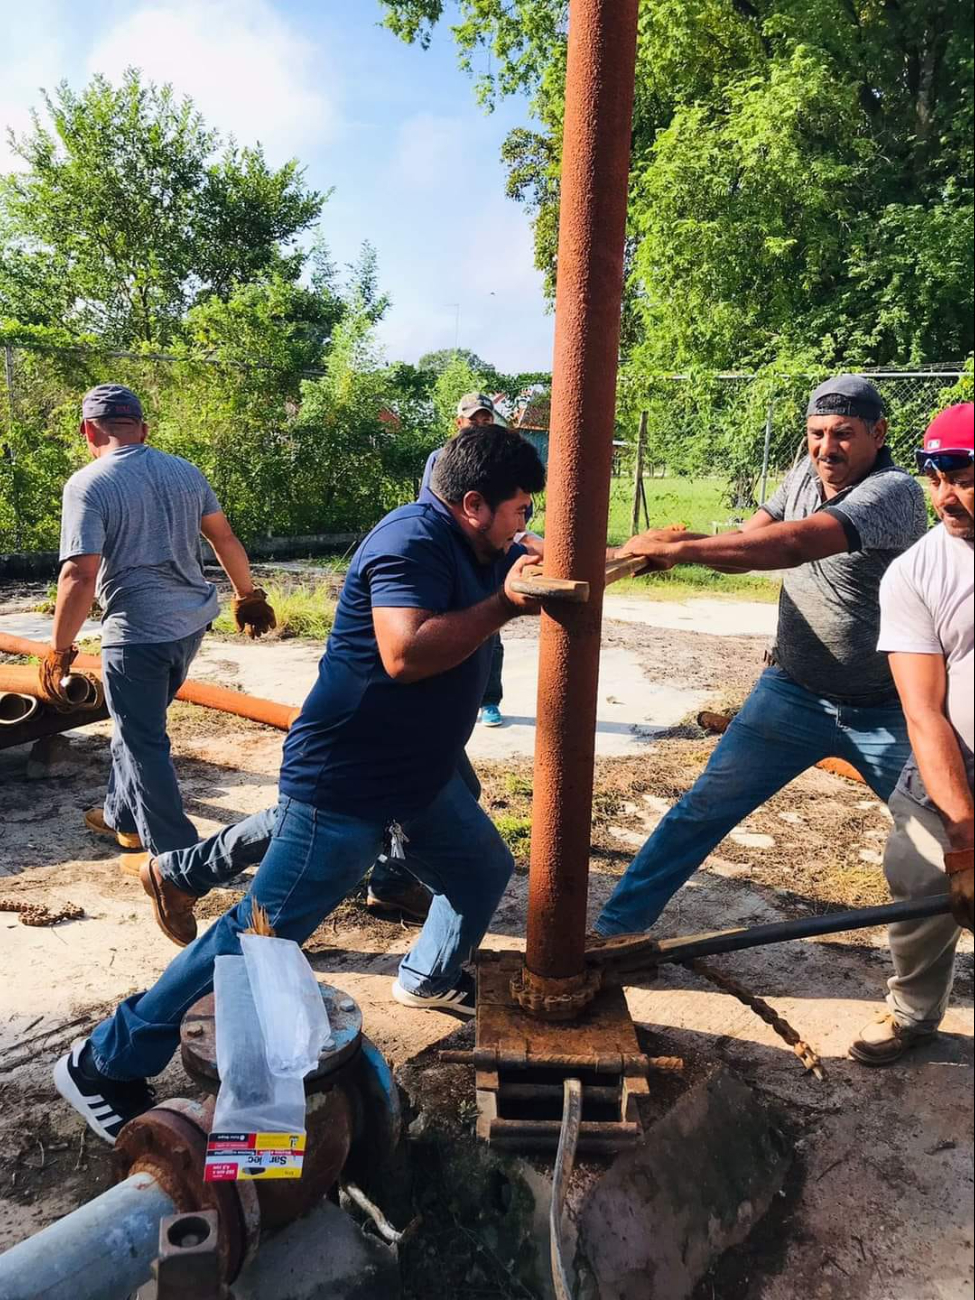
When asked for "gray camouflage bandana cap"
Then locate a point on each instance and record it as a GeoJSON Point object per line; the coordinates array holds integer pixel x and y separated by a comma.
{"type": "Point", "coordinates": [472, 402]}
{"type": "Point", "coordinates": [847, 395]}
{"type": "Point", "coordinates": [111, 402]}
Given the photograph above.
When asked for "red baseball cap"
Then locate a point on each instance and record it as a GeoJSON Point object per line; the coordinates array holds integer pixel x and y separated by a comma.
{"type": "Point", "coordinates": [952, 430]}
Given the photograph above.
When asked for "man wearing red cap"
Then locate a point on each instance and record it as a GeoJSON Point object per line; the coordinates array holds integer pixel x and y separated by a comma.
{"type": "Point", "coordinates": [926, 627]}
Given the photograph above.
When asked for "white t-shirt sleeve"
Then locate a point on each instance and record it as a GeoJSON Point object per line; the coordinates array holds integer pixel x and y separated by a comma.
{"type": "Point", "coordinates": [906, 623]}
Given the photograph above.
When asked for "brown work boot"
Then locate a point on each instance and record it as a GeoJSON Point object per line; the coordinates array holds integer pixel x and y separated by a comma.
{"type": "Point", "coordinates": [408, 900]}
{"type": "Point", "coordinates": [172, 907]}
{"type": "Point", "coordinates": [95, 821]}
{"type": "Point", "coordinates": [885, 1040]}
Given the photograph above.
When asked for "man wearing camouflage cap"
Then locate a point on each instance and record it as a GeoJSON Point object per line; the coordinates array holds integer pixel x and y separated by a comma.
{"type": "Point", "coordinates": [130, 538]}
{"type": "Point", "coordinates": [834, 526]}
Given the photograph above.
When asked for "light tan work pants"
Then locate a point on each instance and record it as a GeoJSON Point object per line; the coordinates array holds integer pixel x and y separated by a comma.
{"type": "Point", "coordinates": [923, 951]}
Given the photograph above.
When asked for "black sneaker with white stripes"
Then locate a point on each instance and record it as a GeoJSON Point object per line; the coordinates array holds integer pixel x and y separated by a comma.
{"type": "Point", "coordinates": [104, 1104]}
{"type": "Point", "coordinates": [460, 999]}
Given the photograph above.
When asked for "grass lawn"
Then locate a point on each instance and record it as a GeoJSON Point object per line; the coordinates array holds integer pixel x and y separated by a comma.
{"type": "Point", "coordinates": [302, 610]}
{"type": "Point", "coordinates": [697, 503]}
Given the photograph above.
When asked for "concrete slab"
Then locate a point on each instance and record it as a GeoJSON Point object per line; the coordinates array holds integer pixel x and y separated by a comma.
{"type": "Point", "coordinates": [631, 710]}
{"type": "Point", "coordinates": [323, 1256]}
{"type": "Point", "coordinates": [38, 626]}
{"type": "Point", "coordinates": [702, 1178]}
{"type": "Point", "coordinates": [713, 617]}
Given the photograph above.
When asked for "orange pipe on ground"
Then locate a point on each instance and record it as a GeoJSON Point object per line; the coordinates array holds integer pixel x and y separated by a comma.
{"type": "Point", "coordinates": [16, 708]}
{"type": "Point", "coordinates": [23, 679]}
{"type": "Point", "coordinates": [269, 712]}
{"type": "Point", "coordinates": [720, 722]}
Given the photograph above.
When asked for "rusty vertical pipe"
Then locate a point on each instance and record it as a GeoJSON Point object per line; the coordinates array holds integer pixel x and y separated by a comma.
{"type": "Point", "coordinates": [592, 217]}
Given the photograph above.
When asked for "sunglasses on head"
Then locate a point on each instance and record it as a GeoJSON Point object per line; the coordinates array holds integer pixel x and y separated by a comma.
{"type": "Point", "coordinates": [945, 462]}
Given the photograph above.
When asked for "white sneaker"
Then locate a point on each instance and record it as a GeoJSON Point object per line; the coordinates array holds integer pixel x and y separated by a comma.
{"type": "Point", "coordinates": [461, 999]}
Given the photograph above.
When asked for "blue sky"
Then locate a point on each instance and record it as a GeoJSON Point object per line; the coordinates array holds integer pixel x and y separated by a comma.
{"type": "Point", "coordinates": [413, 160]}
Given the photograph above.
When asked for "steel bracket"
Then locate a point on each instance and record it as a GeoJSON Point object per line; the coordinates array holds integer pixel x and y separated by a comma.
{"type": "Point", "coordinates": [521, 1064]}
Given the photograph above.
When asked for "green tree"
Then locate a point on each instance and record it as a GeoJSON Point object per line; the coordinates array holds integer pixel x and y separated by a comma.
{"type": "Point", "coordinates": [801, 180]}
{"type": "Point", "coordinates": [437, 362]}
{"type": "Point", "coordinates": [129, 211]}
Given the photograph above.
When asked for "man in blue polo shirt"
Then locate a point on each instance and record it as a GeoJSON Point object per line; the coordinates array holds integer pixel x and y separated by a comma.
{"type": "Point", "coordinates": [377, 745]}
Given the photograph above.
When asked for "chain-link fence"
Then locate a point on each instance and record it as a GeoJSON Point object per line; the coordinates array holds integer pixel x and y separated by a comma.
{"type": "Point", "coordinates": [747, 430]}
{"type": "Point", "coordinates": [290, 453]}
{"type": "Point", "coordinates": [331, 450]}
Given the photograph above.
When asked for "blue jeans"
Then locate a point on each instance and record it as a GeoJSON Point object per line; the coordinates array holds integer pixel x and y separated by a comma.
{"type": "Point", "coordinates": [781, 730]}
{"type": "Point", "coordinates": [212, 862]}
{"type": "Point", "coordinates": [314, 859]}
{"type": "Point", "coordinates": [143, 793]}
{"type": "Point", "coordinates": [494, 691]}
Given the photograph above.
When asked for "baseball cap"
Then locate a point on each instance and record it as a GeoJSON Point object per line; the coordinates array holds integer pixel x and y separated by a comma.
{"type": "Point", "coordinates": [949, 440]}
{"type": "Point", "coordinates": [472, 402]}
{"type": "Point", "coordinates": [111, 402]}
{"type": "Point", "coordinates": [847, 395]}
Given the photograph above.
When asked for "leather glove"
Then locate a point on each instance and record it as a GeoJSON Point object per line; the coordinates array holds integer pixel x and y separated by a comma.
{"type": "Point", "coordinates": [253, 614]}
{"type": "Point", "coordinates": [960, 866]}
{"type": "Point", "coordinates": [55, 665]}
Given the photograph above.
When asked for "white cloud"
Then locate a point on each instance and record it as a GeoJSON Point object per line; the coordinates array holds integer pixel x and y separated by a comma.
{"type": "Point", "coordinates": [430, 153]}
{"type": "Point", "coordinates": [37, 34]}
{"type": "Point", "coordinates": [464, 243]}
{"type": "Point", "coordinates": [243, 66]}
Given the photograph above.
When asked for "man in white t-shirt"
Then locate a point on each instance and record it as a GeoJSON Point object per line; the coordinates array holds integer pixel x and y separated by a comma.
{"type": "Point", "coordinates": [926, 627]}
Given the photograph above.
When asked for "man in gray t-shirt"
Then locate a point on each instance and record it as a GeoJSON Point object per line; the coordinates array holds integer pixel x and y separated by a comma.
{"type": "Point", "coordinates": [130, 536]}
{"type": "Point", "coordinates": [835, 525]}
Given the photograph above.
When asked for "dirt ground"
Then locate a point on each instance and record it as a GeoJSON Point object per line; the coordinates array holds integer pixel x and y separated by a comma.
{"type": "Point", "coordinates": [879, 1205]}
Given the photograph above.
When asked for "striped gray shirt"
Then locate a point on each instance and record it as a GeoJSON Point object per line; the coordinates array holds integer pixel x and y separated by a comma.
{"type": "Point", "coordinates": [140, 510]}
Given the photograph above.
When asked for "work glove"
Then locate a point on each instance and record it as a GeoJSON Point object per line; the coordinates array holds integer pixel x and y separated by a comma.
{"type": "Point", "coordinates": [960, 866]}
{"type": "Point", "coordinates": [56, 665]}
{"type": "Point", "coordinates": [253, 614]}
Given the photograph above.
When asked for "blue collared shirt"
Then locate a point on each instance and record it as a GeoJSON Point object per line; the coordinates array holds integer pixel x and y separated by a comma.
{"type": "Point", "coordinates": [365, 744]}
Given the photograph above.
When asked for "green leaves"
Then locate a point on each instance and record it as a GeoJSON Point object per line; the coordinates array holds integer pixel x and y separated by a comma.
{"type": "Point", "coordinates": [801, 175]}
{"type": "Point", "coordinates": [128, 203]}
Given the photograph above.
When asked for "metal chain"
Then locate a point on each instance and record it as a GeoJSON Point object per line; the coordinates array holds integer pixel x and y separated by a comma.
{"type": "Point", "coordinates": [764, 1012]}
{"type": "Point", "coordinates": [36, 914]}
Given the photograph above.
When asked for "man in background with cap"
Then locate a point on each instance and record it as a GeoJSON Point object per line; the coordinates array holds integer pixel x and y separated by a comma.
{"type": "Point", "coordinates": [130, 537]}
{"type": "Point", "coordinates": [928, 629]}
{"type": "Point", "coordinates": [475, 409]}
{"type": "Point", "coordinates": [834, 525]}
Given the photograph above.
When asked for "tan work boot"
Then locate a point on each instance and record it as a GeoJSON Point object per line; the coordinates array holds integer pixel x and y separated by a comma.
{"type": "Point", "coordinates": [95, 821]}
{"type": "Point", "coordinates": [885, 1040]}
{"type": "Point", "coordinates": [131, 864]}
{"type": "Point", "coordinates": [172, 907]}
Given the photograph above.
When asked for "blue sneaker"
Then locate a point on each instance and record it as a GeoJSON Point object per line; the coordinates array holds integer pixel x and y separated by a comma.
{"type": "Point", "coordinates": [490, 716]}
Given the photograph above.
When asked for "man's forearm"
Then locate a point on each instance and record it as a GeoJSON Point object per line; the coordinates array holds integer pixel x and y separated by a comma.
{"type": "Point", "coordinates": [234, 562]}
{"type": "Point", "coordinates": [445, 640]}
{"type": "Point", "coordinates": [740, 552]}
{"type": "Point", "coordinates": [75, 595]}
{"type": "Point", "coordinates": [942, 769]}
